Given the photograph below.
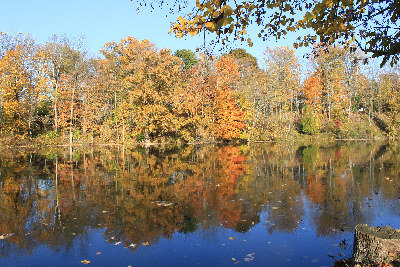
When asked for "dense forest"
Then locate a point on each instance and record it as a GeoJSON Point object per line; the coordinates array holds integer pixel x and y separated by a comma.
{"type": "Point", "coordinates": [136, 92]}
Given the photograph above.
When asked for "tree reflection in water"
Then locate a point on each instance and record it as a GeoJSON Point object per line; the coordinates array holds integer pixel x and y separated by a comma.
{"type": "Point", "coordinates": [140, 195]}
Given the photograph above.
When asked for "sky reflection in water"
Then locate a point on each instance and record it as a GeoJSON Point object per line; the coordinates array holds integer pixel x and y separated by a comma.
{"type": "Point", "coordinates": [266, 204]}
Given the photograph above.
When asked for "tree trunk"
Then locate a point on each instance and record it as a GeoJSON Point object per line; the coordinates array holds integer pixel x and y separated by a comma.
{"type": "Point", "coordinates": [374, 245]}
{"type": "Point", "coordinates": [116, 119]}
{"type": "Point", "coordinates": [123, 130]}
{"type": "Point", "coordinates": [349, 108]}
{"type": "Point", "coordinates": [85, 119]}
{"type": "Point", "coordinates": [146, 137]}
{"type": "Point", "coordinates": [55, 108]}
{"type": "Point", "coordinates": [29, 129]}
{"type": "Point", "coordinates": [1, 115]}
{"type": "Point", "coordinates": [370, 111]}
{"type": "Point", "coordinates": [329, 105]}
{"type": "Point", "coordinates": [72, 116]}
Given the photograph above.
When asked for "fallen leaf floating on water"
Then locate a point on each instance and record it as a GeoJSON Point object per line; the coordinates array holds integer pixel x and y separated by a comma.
{"type": "Point", "coordinates": [164, 203]}
{"type": "Point", "coordinates": [233, 259]}
{"type": "Point", "coordinates": [98, 253]}
{"type": "Point", "coordinates": [4, 236]}
{"type": "Point", "coordinates": [231, 238]}
{"type": "Point", "coordinates": [85, 262]}
{"type": "Point", "coordinates": [249, 257]}
{"type": "Point", "coordinates": [116, 244]}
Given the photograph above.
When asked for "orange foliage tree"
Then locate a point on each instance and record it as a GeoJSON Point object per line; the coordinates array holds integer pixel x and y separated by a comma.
{"type": "Point", "coordinates": [229, 118]}
{"type": "Point", "coordinates": [312, 91]}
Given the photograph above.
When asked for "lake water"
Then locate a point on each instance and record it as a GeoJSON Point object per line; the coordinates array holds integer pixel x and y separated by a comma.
{"type": "Point", "coordinates": [259, 205]}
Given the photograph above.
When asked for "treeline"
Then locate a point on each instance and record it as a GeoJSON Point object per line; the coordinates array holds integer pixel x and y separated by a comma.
{"type": "Point", "coordinates": [137, 92]}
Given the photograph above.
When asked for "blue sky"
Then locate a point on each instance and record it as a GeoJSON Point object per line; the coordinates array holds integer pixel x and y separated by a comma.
{"type": "Point", "coordinates": [102, 21]}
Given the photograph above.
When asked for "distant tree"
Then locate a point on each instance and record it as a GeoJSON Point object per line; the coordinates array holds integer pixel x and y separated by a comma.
{"type": "Point", "coordinates": [188, 57]}
{"type": "Point", "coordinates": [229, 117]}
{"type": "Point", "coordinates": [309, 121]}
{"type": "Point", "coordinates": [245, 59]}
{"type": "Point", "coordinates": [63, 58]}
{"type": "Point", "coordinates": [250, 91]}
{"type": "Point", "coordinates": [283, 78]}
{"type": "Point", "coordinates": [330, 62]}
{"type": "Point", "coordinates": [23, 87]}
{"type": "Point", "coordinates": [312, 90]}
{"type": "Point", "coordinates": [146, 80]}
{"type": "Point", "coordinates": [389, 83]}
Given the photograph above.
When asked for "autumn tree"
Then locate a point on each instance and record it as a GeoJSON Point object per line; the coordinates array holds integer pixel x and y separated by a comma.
{"type": "Point", "coordinates": [389, 82]}
{"type": "Point", "coordinates": [368, 25]}
{"type": "Point", "coordinates": [211, 99]}
{"type": "Point", "coordinates": [14, 79]}
{"type": "Point", "coordinates": [229, 121]}
{"type": "Point", "coordinates": [188, 57]}
{"type": "Point", "coordinates": [147, 79]}
{"type": "Point", "coordinates": [284, 69]}
{"type": "Point", "coordinates": [250, 92]}
{"type": "Point", "coordinates": [282, 84]}
{"type": "Point", "coordinates": [63, 60]}
{"type": "Point", "coordinates": [196, 99]}
{"type": "Point", "coordinates": [312, 91]}
{"type": "Point", "coordinates": [330, 63]}
{"type": "Point", "coordinates": [23, 87]}
{"type": "Point", "coordinates": [309, 120]}
{"type": "Point", "coordinates": [94, 99]}
{"type": "Point", "coordinates": [245, 60]}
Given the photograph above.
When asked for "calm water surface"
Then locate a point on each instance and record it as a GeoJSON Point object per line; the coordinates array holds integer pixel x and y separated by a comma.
{"type": "Point", "coordinates": [259, 205]}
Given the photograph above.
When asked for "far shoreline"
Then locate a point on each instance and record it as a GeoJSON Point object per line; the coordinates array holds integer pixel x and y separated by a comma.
{"type": "Point", "coordinates": [307, 140]}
